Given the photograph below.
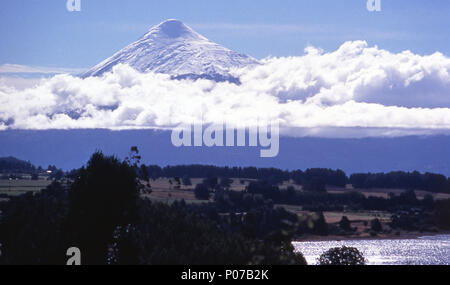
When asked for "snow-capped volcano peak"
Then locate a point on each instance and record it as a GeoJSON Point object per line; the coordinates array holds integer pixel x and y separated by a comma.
{"type": "Point", "coordinates": [173, 29]}
{"type": "Point", "coordinates": [174, 48]}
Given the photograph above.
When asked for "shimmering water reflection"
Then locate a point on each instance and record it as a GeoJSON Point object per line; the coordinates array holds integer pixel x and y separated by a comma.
{"type": "Point", "coordinates": [427, 250]}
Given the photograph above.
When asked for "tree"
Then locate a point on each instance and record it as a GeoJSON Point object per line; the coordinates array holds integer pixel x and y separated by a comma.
{"type": "Point", "coordinates": [178, 182]}
{"type": "Point", "coordinates": [211, 182]}
{"type": "Point", "coordinates": [428, 201]}
{"type": "Point", "coordinates": [342, 256]}
{"type": "Point", "coordinates": [345, 224]}
{"type": "Point", "coordinates": [133, 159]}
{"type": "Point", "coordinates": [103, 215]}
{"type": "Point", "coordinates": [320, 226]}
{"type": "Point", "coordinates": [186, 181]}
{"type": "Point", "coordinates": [201, 192]}
{"type": "Point", "coordinates": [30, 228]}
{"type": "Point", "coordinates": [225, 182]}
{"type": "Point", "coordinates": [101, 198]}
{"type": "Point", "coordinates": [143, 172]}
{"type": "Point", "coordinates": [57, 174]}
{"type": "Point", "coordinates": [375, 225]}
{"type": "Point", "coordinates": [172, 235]}
{"type": "Point", "coordinates": [264, 188]}
{"type": "Point", "coordinates": [14, 165]}
{"type": "Point", "coordinates": [442, 214]}
{"type": "Point", "coordinates": [314, 184]}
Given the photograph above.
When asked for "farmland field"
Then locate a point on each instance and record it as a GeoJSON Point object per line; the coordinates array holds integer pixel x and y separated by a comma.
{"type": "Point", "coordinates": [167, 190]}
{"type": "Point", "coordinates": [16, 187]}
{"type": "Point", "coordinates": [384, 193]}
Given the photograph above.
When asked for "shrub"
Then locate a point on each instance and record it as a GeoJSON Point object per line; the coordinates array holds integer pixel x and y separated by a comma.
{"type": "Point", "coordinates": [342, 256]}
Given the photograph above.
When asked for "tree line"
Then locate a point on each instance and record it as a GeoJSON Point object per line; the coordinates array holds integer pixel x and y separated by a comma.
{"type": "Point", "coordinates": [402, 180]}
{"type": "Point", "coordinates": [311, 179]}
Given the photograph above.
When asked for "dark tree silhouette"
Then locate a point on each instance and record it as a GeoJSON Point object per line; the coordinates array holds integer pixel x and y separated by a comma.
{"type": "Point", "coordinates": [201, 191]}
{"type": "Point", "coordinates": [375, 225]}
{"type": "Point", "coordinates": [101, 198]}
{"type": "Point", "coordinates": [186, 181]}
{"type": "Point", "coordinates": [345, 224]}
{"type": "Point", "coordinates": [30, 228]}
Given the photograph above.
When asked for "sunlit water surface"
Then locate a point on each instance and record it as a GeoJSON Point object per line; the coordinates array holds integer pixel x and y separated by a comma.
{"type": "Point", "coordinates": [425, 250]}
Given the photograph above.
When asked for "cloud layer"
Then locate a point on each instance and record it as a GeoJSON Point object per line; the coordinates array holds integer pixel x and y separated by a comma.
{"type": "Point", "coordinates": [18, 68]}
{"type": "Point", "coordinates": [354, 91]}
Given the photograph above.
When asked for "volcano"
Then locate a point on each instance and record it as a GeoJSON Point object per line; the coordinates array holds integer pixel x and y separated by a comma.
{"type": "Point", "coordinates": [174, 48]}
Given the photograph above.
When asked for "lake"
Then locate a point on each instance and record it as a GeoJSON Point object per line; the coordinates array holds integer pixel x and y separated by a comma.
{"type": "Point", "coordinates": [427, 250]}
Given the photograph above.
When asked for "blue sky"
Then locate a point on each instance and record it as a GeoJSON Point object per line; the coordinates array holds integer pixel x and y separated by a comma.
{"type": "Point", "coordinates": [44, 33]}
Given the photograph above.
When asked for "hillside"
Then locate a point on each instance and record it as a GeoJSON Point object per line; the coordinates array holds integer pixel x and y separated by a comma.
{"type": "Point", "coordinates": [14, 165]}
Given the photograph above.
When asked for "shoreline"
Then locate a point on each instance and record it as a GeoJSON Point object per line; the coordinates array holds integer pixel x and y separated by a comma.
{"type": "Point", "coordinates": [383, 236]}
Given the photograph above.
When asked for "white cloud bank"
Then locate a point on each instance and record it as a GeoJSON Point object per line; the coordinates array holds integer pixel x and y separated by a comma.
{"type": "Point", "coordinates": [352, 92]}
{"type": "Point", "coordinates": [18, 68]}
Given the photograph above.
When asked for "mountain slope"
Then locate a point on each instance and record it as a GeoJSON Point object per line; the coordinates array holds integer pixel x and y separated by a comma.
{"type": "Point", "coordinates": [173, 48]}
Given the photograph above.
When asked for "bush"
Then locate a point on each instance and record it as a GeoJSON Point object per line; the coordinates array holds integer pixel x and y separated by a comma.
{"type": "Point", "coordinates": [342, 256]}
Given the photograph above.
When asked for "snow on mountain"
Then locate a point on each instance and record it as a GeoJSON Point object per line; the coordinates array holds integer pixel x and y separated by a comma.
{"type": "Point", "coordinates": [173, 48]}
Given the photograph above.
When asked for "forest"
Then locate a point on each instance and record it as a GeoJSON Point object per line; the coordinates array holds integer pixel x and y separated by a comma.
{"type": "Point", "coordinates": [106, 209]}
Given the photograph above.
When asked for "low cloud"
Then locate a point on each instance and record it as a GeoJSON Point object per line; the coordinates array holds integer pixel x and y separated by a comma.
{"type": "Point", "coordinates": [355, 91]}
{"type": "Point", "coordinates": [18, 68]}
